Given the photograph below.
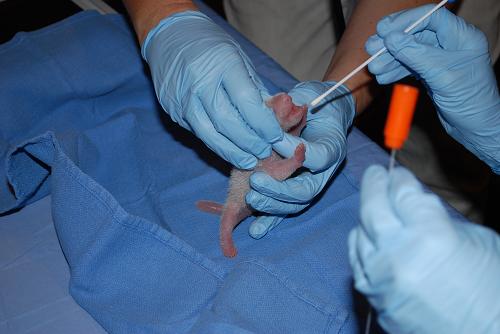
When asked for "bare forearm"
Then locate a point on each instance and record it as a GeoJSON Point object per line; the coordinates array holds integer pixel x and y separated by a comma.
{"type": "Point", "coordinates": [350, 51]}
{"type": "Point", "coordinates": [145, 14]}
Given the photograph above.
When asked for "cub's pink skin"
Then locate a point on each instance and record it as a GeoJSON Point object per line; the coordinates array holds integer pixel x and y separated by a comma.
{"type": "Point", "coordinates": [292, 119]}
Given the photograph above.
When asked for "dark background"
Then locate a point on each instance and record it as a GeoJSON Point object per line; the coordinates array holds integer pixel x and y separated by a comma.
{"type": "Point", "coordinates": [28, 15]}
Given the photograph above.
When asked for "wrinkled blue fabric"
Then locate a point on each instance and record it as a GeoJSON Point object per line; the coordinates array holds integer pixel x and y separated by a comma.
{"type": "Point", "coordinates": [80, 122]}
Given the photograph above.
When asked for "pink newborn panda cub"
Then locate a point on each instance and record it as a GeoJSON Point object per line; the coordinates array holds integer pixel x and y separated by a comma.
{"type": "Point", "coordinates": [292, 119]}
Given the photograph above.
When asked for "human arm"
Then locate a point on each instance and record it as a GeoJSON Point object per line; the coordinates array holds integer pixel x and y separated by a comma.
{"type": "Point", "coordinates": [451, 58]}
{"type": "Point", "coordinates": [146, 14]}
{"type": "Point", "coordinates": [205, 81]}
{"type": "Point", "coordinates": [421, 271]}
{"type": "Point", "coordinates": [350, 51]}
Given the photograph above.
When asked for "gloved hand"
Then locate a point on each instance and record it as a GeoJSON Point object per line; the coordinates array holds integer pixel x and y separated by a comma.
{"type": "Point", "coordinates": [206, 83]}
{"type": "Point", "coordinates": [422, 272]}
{"type": "Point", "coordinates": [325, 139]}
{"type": "Point", "coordinates": [451, 57]}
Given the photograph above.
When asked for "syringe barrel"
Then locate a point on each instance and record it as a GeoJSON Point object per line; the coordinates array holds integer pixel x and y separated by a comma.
{"type": "Point", "coordinates": [397, 127]}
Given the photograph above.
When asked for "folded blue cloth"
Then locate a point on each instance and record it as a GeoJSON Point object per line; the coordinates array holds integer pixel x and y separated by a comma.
{"type": "Point", "coordinates": [80, 121]}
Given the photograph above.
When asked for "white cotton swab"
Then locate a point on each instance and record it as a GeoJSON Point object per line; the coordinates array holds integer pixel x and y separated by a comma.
{"type": "Point", "coordinates": [317, 100]}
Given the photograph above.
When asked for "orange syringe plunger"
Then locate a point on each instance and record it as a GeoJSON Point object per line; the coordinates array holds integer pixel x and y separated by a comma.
{"type": "Point", "coordinates": [397, 127]}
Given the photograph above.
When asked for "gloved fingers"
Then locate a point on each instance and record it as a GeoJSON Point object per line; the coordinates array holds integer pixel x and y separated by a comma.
{"type": "Point", "coordinates": [326, 124]}
{"type": "Point", "coordinates": [384, 67]}
{"type": "Point", "coordinates": [412, 205]}
{"type": "Point", "coordinates": [341, 102]}
{"type": "Point", "coordinates": [378, 218]}
{"type": "Point", "coordinates": [247, 97]}
{"type": "Point", "coordinates": [263, 224]}
{"type": "Point", "coordinates": [392, 76]}
{"type": "Point", "coordinates": [357, 257]}
{"type": "Point", "coordinates": [320, 155]}
{"type": "Point", "coordinates": [424, 59]}
{"type": "Point", "coordinates": [336, 113]}
{"type": "Point", "coordinates": [256, 79]}
{"type": "Point", "coordinates": [324, 134]}
{"type": "Point", "coordinates": [446, 25]}
{"type": "Point", "coordinates": [373, 44]}
{"type": "Point", "coordinates": [427, 37]}
{"type": "Point", "coordinates": [300, 189]}
{"type": "Point", "coordinates": [228, 122]}
{"type": "Point", "coordinates": [203, 128]}
{"type": "Point", "coordinates": [286, 146]}
{"type": "Point", "coordinates": [270, 205]}
{"type": "Point", "coordinates": [304, 92]}
{"type": "Point", "coordinates": [385, 63]}
{"type": "Point", "coordinates": [327, 139]}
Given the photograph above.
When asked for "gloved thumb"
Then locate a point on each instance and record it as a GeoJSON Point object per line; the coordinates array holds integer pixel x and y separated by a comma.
{"type": "Point", "coordinates": [411, 203]}
{"type": "Point", "coordinates": [263, 224]}
{"type": "Point", "coordinates": [421, 58]}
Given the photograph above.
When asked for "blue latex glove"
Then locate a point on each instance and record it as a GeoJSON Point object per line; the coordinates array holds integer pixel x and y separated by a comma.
{"type": "Point", "coordinates": [421, 271]}
{"type": "Point", "coordinates": [451, 58]}
{"type": "Point", "coordinates": [325, 139]}
{"type": "Point", "coordinates": [207, 84]}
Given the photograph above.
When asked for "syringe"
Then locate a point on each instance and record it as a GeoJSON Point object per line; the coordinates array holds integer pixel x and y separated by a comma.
{"type": "Point", "coordinates": [397, 126]}
{"type": "Point", "coordinates": [317, 100]}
